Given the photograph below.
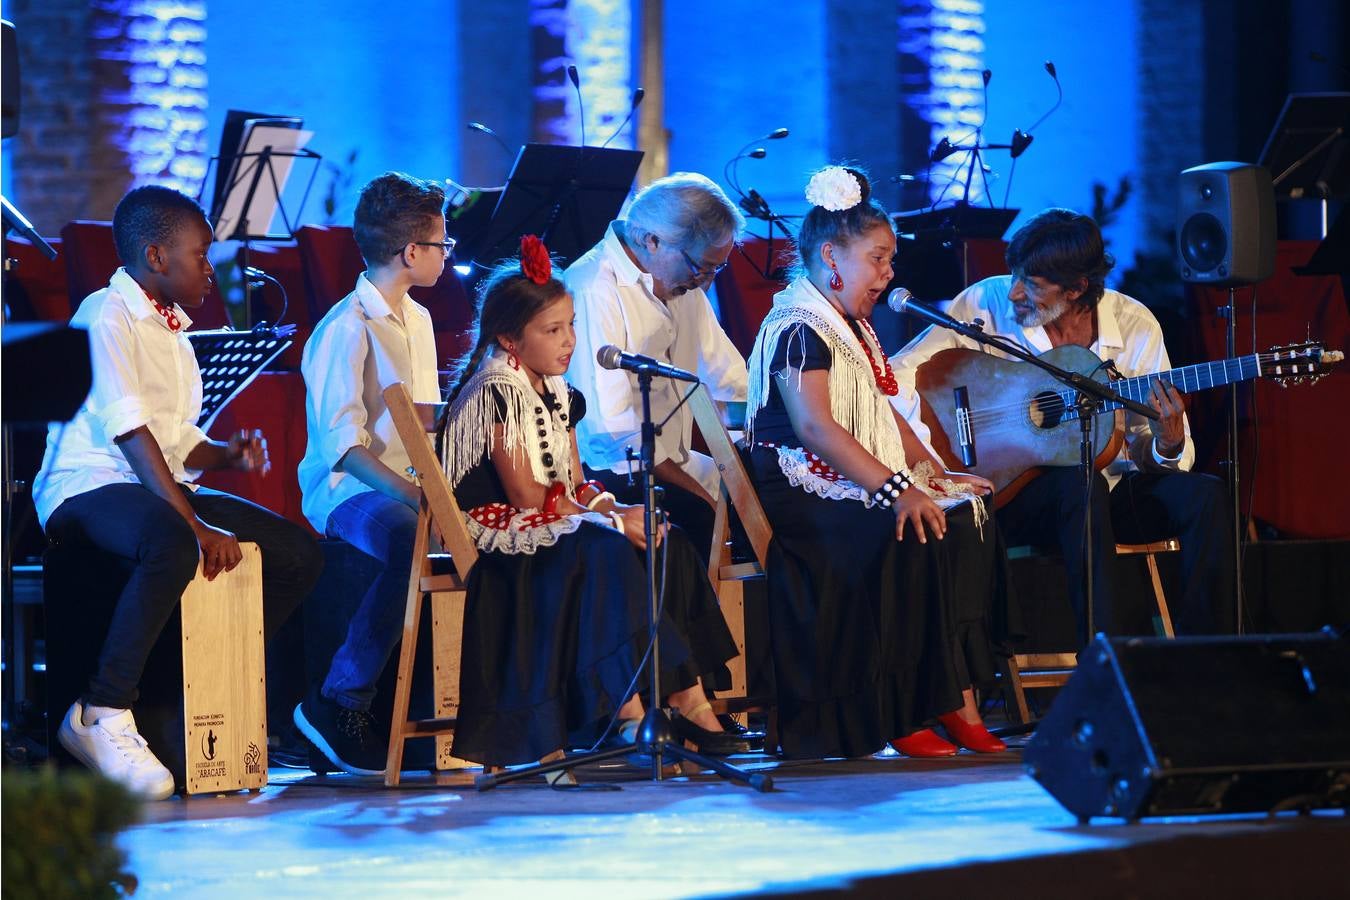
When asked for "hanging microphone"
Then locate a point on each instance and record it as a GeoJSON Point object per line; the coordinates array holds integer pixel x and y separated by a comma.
{"type": "Point", "coordinates": [1021, 140]}
{"type": "Point", "coordinates": [611, 357]}
{"type": "Point", "coordinates": [637, 101]}
{"type": "Point", "coordinates": [575, 78]}
{"type": "Point", "coordinates": [483, 129]}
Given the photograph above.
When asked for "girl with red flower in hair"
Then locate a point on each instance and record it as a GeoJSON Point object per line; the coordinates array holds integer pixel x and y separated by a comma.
{"type": "Point", "coordinates": [556, 620]}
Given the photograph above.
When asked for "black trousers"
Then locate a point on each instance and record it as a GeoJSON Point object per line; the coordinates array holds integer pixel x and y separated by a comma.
{"type": "Point", "coordinates": [129, 521]}
{"type": "Point", "coordinates": [685, 508]}
{"type": "Point", "coordinates": [1144, 506]}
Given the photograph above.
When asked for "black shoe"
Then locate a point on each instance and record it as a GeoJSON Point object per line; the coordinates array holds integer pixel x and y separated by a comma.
{"type": "Point", "coordinates": [710, 743]}
{"type": "Point", "coordinates": [754, 738]}
{"type": "Point", "coordinates": [343, 735]}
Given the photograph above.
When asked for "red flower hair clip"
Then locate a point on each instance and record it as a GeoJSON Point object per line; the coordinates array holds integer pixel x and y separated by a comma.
{"type": "Point", "coordinates": [535, 263]}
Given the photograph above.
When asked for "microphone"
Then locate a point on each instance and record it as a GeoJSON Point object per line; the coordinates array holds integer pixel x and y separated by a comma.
{"type": "Point", "coordinates": [483, 129]}
{"type": "Point", "coordinates": [1022, 140]}
{"type": "Point", "coordinates": [638, 95]}
{"type": "Point", "coordinates": [902, 301]}
{"type": "Point", "coordinates": [575, 78]}
{"type": "Point", "coordinates": [611, 357]}
{"type": "Point", "coordinates": [944, 149]}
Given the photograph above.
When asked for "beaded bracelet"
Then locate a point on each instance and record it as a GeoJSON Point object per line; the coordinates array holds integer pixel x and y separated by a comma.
{"type": "Point", "coordinates": [890, 490]}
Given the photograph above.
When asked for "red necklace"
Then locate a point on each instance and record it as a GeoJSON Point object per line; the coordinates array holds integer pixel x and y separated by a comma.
{"type": "Point", "coordinates": [171, 317]}
{"type": "Point", "coordinates": [886, 383]}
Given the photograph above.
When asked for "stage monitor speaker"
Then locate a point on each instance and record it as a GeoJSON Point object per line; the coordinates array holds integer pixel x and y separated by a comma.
{"type": "Point", "coordinates": [1226, 224]}
{"type": "Point", "coordinates": [1196, 726]}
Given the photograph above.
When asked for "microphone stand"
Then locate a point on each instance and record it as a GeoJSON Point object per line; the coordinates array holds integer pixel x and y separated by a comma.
{"type": "Point", "coordinates": [1089, 394]}
{"type": "Point", "coordinates": [655, 735]}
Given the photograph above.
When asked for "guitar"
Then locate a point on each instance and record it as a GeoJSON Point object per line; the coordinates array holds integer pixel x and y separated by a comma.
{"type": "Point", "coordinates": [1021, 420]}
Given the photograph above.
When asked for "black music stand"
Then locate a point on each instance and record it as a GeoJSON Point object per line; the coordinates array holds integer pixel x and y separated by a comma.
{"type": "Point", "coordinates": [230, 360]}
{"type": "Point", "coordinates": [1308, 151]}
{"type": "Point", "coordinates": [243, 161]}
{"type": "Point", "coordinates": [565, 195]}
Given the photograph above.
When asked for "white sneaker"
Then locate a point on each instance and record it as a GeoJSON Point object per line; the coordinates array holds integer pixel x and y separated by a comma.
{"type": "Point", "coordinates": [113, 747]}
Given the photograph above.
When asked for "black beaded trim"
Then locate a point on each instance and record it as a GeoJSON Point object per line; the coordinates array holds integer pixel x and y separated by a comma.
{"type": "Point", "coordinates": [891, 489]}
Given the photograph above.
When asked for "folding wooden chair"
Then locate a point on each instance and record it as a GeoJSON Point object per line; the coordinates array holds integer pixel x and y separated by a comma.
{"type": "Point", "coordinates": [1042, 670]}
{"type": "Point", "coordinates": [437, 512]}
{"type": "Point", "coordinates": [729, 578]}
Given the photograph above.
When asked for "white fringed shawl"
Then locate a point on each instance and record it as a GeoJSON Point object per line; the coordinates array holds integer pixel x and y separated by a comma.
{"type": "Point", "coordinates": [470, 435]}
{"type": "Point", "coordinates": [856, 402]}
{"type": "Point", "coordinates": [470, 431]}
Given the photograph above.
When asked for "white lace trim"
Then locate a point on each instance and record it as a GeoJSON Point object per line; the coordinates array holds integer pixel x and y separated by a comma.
{"type": "Point", "coordinates": [796, 468]}
{"type": "Point", "coordinates": [518, 537]}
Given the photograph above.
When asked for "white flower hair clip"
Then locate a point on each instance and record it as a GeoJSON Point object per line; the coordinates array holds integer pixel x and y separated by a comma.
{"type": "Point", "coordinates": [834, 188]}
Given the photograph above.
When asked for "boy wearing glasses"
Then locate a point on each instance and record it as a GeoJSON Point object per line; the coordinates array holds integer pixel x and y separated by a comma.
{"type": "Point", "coordinates": [642, 289]}
{"type": "Point", "coordinates": [354, 477]}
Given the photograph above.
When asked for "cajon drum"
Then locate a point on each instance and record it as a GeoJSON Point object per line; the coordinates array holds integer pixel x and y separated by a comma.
{"type": "Point", "coordinates": [224, 681]}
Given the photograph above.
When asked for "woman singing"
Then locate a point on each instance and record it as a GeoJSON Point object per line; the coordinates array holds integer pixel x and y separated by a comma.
{"type": "Point", "coordinates": [883, 566]}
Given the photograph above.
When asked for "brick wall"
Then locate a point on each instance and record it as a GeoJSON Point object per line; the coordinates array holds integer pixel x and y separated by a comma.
{"type": "Point", "coordinates": [114, 95]}
{"type": "Point", "coordinates": [53, 177]}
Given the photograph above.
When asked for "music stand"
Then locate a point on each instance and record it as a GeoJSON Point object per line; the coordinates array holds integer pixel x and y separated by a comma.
{"type": "Point", "coordinates": [230, 360]}
{"type": "Point", "coordinates": [566, 195]}
{"type": "Point", "coordinates": [1308, 151]}
{"type": "Point", "coordinates": [468, 215]}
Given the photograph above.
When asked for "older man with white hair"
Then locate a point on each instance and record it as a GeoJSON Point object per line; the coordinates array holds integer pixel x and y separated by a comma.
{"type": "Point", "coordinates": [642, 290]}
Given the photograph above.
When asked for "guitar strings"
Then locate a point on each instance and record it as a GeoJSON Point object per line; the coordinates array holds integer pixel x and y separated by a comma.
{"type": "Point", "coordinates": [1014, 410]}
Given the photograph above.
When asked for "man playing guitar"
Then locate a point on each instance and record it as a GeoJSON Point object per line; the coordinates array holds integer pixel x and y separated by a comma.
{"type": "Point", "coordinates": [1057, 297]}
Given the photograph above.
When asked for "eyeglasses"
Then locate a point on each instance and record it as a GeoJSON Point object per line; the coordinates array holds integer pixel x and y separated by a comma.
{"type": "Point", "coordinates": [698, 271]}
{"type": "Point", "coordinates": [448, 245]}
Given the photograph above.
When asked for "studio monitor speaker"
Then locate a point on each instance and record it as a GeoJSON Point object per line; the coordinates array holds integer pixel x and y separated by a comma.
{"type": "Point", "coordinates": [1190, 726]}
{"type": "Point", "coordinates": [1226, 224]}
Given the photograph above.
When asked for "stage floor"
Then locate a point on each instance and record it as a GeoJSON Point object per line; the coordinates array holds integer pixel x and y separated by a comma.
{"type": "Point", "coordinates": [884, 826]}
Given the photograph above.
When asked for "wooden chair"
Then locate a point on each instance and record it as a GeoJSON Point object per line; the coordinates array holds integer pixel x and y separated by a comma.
{"type": "Point", "coordinates": [439, 521]}
{"type": "Point", "coordinates": [437, 511]}
{"type": "Point", "coordinates": [1043, 670]}
{"type": "Point", "coordinates": [729, 578]}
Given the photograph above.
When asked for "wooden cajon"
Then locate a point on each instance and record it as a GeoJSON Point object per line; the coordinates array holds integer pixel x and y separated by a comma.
{"type": "Point", "coordinates": [224, 684]}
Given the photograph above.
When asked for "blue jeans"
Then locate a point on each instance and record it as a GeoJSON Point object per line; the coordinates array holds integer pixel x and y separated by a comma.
{"type": "Point", "coordinates": [385, 529]}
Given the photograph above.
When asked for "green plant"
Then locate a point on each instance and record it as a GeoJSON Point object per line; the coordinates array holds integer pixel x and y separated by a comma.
{"type": "Point", "coordinates": [60, 830]}
{"type": "Point", "coordinates": [1106, 209]}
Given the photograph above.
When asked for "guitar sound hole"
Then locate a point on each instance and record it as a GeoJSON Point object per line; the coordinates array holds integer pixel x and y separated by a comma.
{"type": "Point", "coordinates": [1047, 409]}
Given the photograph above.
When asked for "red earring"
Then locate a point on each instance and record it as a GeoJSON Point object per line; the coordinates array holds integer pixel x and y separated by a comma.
{"type": "Point", "coordinates": [836, 282]}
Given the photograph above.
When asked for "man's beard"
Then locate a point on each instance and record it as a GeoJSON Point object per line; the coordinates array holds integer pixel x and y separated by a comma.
{"type": "Point", "coordinates": [1041, 315]}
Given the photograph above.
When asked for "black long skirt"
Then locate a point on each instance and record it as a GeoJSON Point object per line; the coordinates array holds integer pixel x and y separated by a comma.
{"type": "Point", "coordinates": [872, 637]}
{"type": "Point", "coordinates": [552, 640]}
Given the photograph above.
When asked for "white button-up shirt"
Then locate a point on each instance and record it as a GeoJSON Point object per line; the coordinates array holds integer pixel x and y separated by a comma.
{"type": "Point", "coordinates": [144, 374]}
{"type": "Point", "coordinates": [615, 305]}
{"type": "Point", "coordinates": [358, 349]}
{"type": "Point", "coordinates": [1126, 332]}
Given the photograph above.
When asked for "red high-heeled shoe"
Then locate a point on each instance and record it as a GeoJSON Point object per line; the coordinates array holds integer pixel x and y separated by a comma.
{"type": "Point", "coordinates": [971, 735]}
{"type": "Point", "coordinates": [924, 744]}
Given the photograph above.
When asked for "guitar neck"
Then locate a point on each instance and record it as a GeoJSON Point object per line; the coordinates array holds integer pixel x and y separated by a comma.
{"type": "Point", "coordinates": [1189, 378]}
